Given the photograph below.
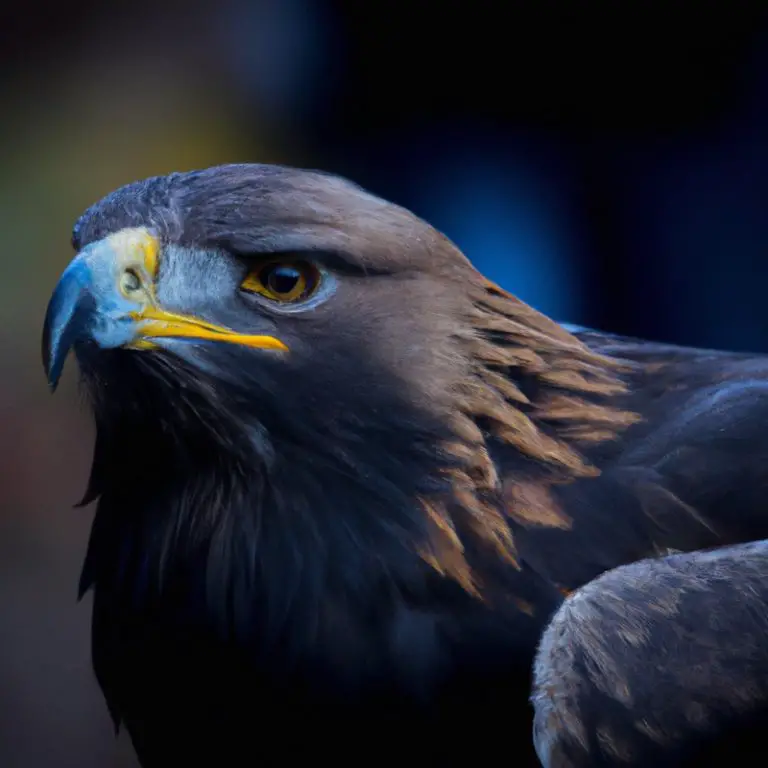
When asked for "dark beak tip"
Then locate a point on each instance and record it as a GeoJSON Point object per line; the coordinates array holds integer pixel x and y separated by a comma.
{"type": "Point", "coordinates": [49, 362]}
{"type": "Point", "coordinates": [66, 319]}
{"type": "Point", "coordinates": [46, 355]}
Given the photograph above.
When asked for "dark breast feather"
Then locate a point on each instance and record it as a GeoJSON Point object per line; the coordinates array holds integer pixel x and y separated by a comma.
{"type": "Point", "coordinates": [576, 455]}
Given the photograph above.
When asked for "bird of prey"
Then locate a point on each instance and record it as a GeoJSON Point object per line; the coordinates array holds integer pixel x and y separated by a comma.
{"type": "Point", "coordinates": [344, 483]}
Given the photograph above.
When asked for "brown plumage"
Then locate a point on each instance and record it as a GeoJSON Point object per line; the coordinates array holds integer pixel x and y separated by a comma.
{"type": "Point", "coordinates": [360, 512]}
{"type": "Point", "coordinates": [570, 403]}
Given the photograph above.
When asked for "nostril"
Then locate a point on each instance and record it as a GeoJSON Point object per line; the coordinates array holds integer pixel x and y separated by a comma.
{"type": "Point", "coordinates": [130, 282]}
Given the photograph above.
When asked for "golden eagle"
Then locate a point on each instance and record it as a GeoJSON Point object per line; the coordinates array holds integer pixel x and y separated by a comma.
{"type": "Point", "coordinates": [345, 482]}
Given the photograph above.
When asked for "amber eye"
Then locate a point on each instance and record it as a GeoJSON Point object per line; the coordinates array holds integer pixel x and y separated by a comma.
{"type": "Point", "coordinates": [283, 280]}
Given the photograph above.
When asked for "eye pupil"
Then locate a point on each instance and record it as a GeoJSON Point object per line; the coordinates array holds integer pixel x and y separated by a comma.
{"type": "Point", "coordinates": [282, 279]}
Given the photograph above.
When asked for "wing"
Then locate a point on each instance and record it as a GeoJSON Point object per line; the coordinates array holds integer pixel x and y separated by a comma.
{"type": "Point", "coordinates": [702, 432]}
{"type": "Point", "coordinates": [661, 662]}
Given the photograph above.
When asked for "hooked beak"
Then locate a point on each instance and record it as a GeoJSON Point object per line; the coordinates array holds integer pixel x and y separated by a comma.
{"type": "Point", "coordinates": [106, 296]}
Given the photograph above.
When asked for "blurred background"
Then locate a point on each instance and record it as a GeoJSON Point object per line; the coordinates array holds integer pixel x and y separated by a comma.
{"type": "Point", "coordinates": [608, 163]}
